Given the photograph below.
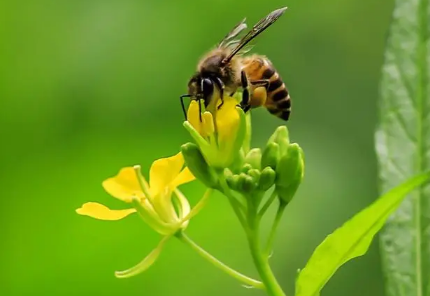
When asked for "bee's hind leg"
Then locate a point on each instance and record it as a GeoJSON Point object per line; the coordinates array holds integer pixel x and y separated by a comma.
{"type": "Point", "coordinates": [245, 103]}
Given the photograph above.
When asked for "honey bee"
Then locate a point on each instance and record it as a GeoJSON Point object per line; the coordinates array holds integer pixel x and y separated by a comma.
{"type": "Point", "coordinates": [226, 68]}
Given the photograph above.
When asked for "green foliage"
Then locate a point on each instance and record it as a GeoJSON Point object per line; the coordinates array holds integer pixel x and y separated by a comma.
{"type": "Point", "coordinates": [403, 147]}
{"type": "Point", "coordinates": [352, 239]}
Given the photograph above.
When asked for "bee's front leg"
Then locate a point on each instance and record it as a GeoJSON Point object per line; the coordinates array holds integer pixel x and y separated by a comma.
{"type": "Point", "coordinates": [183, 105]}
{"type": "Point", "coordinates": [244, 104]}
{"type": "Point", "coordinates": [221, 87]}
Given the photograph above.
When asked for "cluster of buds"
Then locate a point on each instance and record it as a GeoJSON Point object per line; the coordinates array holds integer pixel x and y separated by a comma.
{"type": "Point", "coordinates": [220, 153]}
{"type": "Point", "coordinates": [280, 163]}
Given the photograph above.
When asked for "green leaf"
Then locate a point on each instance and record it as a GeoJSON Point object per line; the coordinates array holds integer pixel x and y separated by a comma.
{"type": "Point", "coordinates": [351, 240]}
{"type": "Point", "coordinates": [403, 147]}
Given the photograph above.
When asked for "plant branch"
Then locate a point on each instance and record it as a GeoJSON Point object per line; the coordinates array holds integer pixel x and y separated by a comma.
{"type": "Point", "coordinates": [235, 274]}
{"type": "Point", "coordinates": [275, 225]}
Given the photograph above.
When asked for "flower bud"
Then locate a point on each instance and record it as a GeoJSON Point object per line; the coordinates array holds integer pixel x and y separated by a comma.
{"type": "Point", "coordinates": [267, 179]}
{"type": "Point", "coordinates": [254, 158]}
{"type": "Point", "coordinates": [233, 182]}
{"type": "Point", "coordinates": [255, 175]}
{"type": "Point", "coordinates": [246, 183]}
{"type": "Point", "coordinates": [280, 137]}
{"type": "Point", "coordinates": [246, 167]}
{"type": "Point", "coordinates": [290, 172]}
{"type": "Point", "coordinates": [198, 165]}
{"type": "Point", "coordinates": [270, 156]}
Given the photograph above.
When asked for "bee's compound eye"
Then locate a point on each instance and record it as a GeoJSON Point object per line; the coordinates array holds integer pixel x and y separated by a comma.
{"type": "Point", "coordinates": [207, 87]}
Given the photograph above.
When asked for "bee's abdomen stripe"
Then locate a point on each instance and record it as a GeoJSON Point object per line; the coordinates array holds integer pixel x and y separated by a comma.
{"type": "Point", "coordinates": [285, 104]}
{"type": "Point", "coordinates": [282, 94]}
{"type": "Point", "coordinates": [285, 114]}
{"type": "Point", "coordinates": [268, 73]}
{"type": "Point", "coordinates": [274, 85]}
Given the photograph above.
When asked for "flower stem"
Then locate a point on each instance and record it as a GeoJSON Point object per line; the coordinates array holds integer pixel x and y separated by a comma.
{"type": "Point", "coordinates": [237, 275]}
{"type": "Point", "coordinates": [275, 225]}
{"type": "Point", "coordinates": [261, 262]}
{"type": "Point", "coordinates": [238, 208]}
{"type": "Point", "coordinates": [267, 204]}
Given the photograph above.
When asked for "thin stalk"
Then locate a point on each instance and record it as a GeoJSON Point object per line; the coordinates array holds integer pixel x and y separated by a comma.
{"type": "Point", "coordinates": [267, 204]}
{"type": "Point", "coordinates": [275, 225]}
{"type": "Point", "coordinates": [235, 274]}
{"type": "Point", "coordinates": [238, 208]}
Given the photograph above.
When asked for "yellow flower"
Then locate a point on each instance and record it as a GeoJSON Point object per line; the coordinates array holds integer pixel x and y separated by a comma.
{"type": "Point", "coordinates": [220, 133]}
{"type": "Point", "coordinates": [159, 203]}
{"type": "Point", "coordinates": [153, 201]}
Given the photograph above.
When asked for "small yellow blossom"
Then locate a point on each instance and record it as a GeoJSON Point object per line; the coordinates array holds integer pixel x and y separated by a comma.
{"type": "Point", "coordinates": [160, 204]}
{"type": "Point", "coordinates": [152, 201]}
{"type": "Point", "coordinates": [220, 133]}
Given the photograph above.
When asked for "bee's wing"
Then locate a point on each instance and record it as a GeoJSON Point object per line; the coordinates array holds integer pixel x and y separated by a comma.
{"type": "Point", "coordinates": [259, 27]}
{"type": "Point", "coordinates": [234, 43]}
{"type": "Point", "coordinates": [233, 33]}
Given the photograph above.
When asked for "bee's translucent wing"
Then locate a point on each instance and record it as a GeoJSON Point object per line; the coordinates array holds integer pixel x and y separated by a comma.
{"type": "Point", "coordinates": [233, 44]}
{"type": "Point", "coordinates": [259, 27]}
{"type": "Point", "coordinates": [233, 33]}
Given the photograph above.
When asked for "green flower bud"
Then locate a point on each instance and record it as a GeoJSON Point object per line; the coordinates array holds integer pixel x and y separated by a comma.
{"type": "Point", "coordinates": [290, 172]}
{"type": "Point", "coordinates": [267, 179]}
{"type": "Point", "coordinates": [254, 158]}
{"type": "Point", "coordinates": [255, 175]}
{"type": "Point", "coordinates": [198, 165]}
{"type": "Point", "coordinates": [227, 173]}
{"type": "Point", "coordinates": [233, 182]}
{"type": "Point", "coordinates": [270, 156]}
{"type": "Point", "coordinates": [246, 183]}
{"type": "Point", "coordinates": [246, 167]}
{"type": "Point", "coordinates": [280, 137]}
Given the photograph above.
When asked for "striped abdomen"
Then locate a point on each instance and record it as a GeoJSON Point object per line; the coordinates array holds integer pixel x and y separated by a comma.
{"type": "Point", "coordinates": [276, 99]}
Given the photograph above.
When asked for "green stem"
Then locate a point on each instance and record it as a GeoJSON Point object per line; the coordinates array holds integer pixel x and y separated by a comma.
{"type": "Point", "coordinates": [275, 225]}
{"type": "Point", "coordinates": [261, 262]}
{"type": "Point", "coordinates": [237, 275]}
{"type": "Point", "coordinates": [235, 204]}
{"type": "Point", "coordinates": [267, 204]}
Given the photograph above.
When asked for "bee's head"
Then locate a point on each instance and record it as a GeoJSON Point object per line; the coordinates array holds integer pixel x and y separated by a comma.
{"type": "Point", "coordinates": [201, 88]}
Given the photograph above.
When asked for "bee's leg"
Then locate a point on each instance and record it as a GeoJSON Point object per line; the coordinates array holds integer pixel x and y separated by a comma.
{"type": "Point", "coordinates": [244, 104]}
{"type": "Point", "coordinates": [200, 108]}
{"type": "Point", "coordinates": [182, 104]}
{"type": "Point", "coordinates": [220, 86]}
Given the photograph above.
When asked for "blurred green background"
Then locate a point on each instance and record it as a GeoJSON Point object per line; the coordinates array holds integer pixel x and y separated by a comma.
{"type": "Point", "coordinates": [88, 87]}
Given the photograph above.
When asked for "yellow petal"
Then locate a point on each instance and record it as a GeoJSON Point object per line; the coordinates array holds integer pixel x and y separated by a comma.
{"type": "Point", "coordinates": [184, 177]}
{"type": "Point", "coordinates": [124, 185]}
{"type": "Point", "coordinates": [163, 172]}
{"type": "Point", "coordinates": [227, 120]}
{"type": "Point", "coordinates": [193, 117]}
{"type": "Point", "coordinates": [101, 212]}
